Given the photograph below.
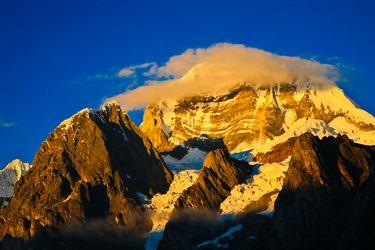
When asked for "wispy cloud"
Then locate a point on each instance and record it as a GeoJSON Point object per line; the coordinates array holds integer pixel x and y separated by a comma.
{"type": "Point", "coordinates": [215, 70]}
{"type": "Point", "coordinates": [101, 76]}
{"type": "Point", "coordinates": [131, 70]}
{"type": "Point", "coordinates": [6, 124]}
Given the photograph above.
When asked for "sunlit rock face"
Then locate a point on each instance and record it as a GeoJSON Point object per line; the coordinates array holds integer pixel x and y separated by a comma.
{"type": "Point", "coordinates": [93, 166]}
{"type": "Point", "coordinates": [259, 118]}
{"type": "Point", "coordinates": [159, 133]}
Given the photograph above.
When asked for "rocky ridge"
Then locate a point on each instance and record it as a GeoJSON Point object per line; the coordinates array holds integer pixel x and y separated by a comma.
{"type": "Point", "coordinates": [90, 168]}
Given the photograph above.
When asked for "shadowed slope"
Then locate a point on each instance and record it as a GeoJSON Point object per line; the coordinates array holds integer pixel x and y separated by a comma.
{"type": "Point", "coordinates": [90, 167]}
{"type": "Point", "coordinates": [328, 197]}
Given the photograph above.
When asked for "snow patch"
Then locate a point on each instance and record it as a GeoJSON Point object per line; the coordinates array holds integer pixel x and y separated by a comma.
{"type": "Point", "coordinates": [267, 178]}
{"type": "Point", "coordinates": [162, 205]}
{"type": "Point", "coordinates": [321, 129]}
{"type": "Point", "coordinates": [227, 234]}
{"type": "Point", "coordinates": [143, 198]}
{"type": "Point", "coordinates": [243, 156]}
{"type": "Point", "coordinates": [192, 160]}
{"type": "Point", "coordinates": [342, 126]}
{"type": "Point", "coordinates": [290, 117]}
{"type": "Point", "coordinates": [315, 126]}
{"type": "Point", "coordinates": [335, 99]}
{"type": "Point", "coordinates": [10, 175]}
{"type": "Point", "coordinates": [68, 123]}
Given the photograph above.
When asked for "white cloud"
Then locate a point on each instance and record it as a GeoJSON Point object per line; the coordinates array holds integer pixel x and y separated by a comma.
{"type": "Point", "coordinates": [131, 70]}
{"type": "Point", "coordinates": [218, 68]}
{"type": "Point", "coordinates": [6, 124]}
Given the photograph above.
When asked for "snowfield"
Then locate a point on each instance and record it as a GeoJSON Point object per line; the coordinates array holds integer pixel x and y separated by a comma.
{"type": "Point", "coordinates": [192, 160]}
{"type": "Point", "coordinates": [321, 129]}
{"type": "Point", "coordinates": [162, 205]}
{"type": "Point", "coordinates": [267, 178]}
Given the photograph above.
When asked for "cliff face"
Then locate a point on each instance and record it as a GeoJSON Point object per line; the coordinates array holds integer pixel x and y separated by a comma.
{"type": "Point", "coordinates": [327, 200]}
{"type": "Point", "coordinates": [91, 167]}
{"type": "Point", "coordinates": [157, 132]}
{"type": "Point", "coordinates": [248, 117]}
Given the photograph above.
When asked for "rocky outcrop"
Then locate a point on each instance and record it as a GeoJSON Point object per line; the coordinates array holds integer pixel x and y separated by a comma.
{"type": "Point", "coordinates": [278, 153]}
{"type": "Point", "coordinates": [328, 197]}
{"type": "Point", "coordinates": [219, 174]}
{"type": "Point", "coordinates": [8, 178]}
{"type": "Point", "coordinates": [154, 128]}
{"type": "Point", "coordinates": [90, 168]}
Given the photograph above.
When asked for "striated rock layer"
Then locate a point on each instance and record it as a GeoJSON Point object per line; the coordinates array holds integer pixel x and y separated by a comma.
{"type": "Point", "coordinates": [91, 167]}
{"type": "Point", "coordinates": [250, 117]}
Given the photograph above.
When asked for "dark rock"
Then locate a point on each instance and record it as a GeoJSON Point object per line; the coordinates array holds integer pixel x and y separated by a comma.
{"type": "Point", "coordinates": [193, 229]}
{"type": "Point", "coordinates": [188, 228]}
{"type": "Point", "coordinates": [90, 168]}
{"type": "Point", "coordinates": [327, 202]}
{"type": "Point", "coordinates": [278, 153]}
{"type": "Point", "coordinates": [220, 173]}
{"type": "Point", "coordinates": [328, 197]}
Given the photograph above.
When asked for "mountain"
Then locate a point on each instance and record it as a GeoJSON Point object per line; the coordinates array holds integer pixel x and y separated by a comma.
{"type": "Point", "coordinates": [260, 124]}
{"type": "Point", "coordinates": [218, 176]}
{"type": "Point", "coordinates": [257, 118]}
{"type": "Point", "coordinates": [328, 197]}
{"type": "Point", "coordinates": [326, 202]}
{"type": "Point", "coordinates": [287, 166]}
{"type": "Point", "coordinates": [89, 176]}
{"type": "Point", "coordinates": [8, 178]}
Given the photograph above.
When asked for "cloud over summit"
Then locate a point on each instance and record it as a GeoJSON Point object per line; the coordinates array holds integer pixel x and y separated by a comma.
{"type": "Point", "coordinates": [218, 68]}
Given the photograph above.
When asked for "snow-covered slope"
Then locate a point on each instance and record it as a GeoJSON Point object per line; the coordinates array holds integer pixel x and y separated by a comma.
{"type": "Point", "coordinates": [8, 178]}
{"type": "Point", "coordinates": [162, 205]}
{"type": "Point", "coordinates": [193, 159]}
{"type": "Point", "coordinates": [248, 117]}
{"type": "Point", "coordinates": [267, 179]}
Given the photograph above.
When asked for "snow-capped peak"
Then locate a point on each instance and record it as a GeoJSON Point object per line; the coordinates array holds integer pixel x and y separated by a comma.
{"type": "Point", "coordinates": [249, 116]}
{"type": "Point", "coordinates": [8, 178]}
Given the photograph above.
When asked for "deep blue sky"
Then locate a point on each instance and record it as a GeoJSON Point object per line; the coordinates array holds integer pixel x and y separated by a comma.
{"type": "Point", "coordinates": [53, 52]}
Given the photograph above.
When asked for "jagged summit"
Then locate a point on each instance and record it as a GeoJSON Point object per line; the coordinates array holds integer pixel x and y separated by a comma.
{"type": "Point", "coordinates": [95, 165]}
{"type": "Point", "coordinates": [87, 112]}
{"type": "Point", "coordinates": [18, 166]}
